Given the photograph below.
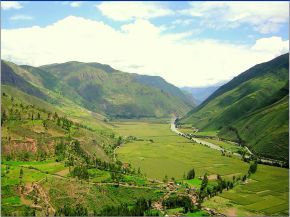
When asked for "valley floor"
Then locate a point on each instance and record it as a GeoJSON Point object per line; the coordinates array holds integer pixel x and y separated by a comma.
{"type": "Point", "coordinates": [44, 187]}
{"type": "Point", "coordinates": [159, 153]}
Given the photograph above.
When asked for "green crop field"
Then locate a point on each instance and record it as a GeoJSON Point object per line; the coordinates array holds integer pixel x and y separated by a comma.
{"type": "Point", "coordinates": [173, 156]}
{"type": "Point", "coordinates": [225, 145]}
{"type": "Point", "coordinates": [266, 194]}
{"type": "Point", "coordinates": [170, 154]}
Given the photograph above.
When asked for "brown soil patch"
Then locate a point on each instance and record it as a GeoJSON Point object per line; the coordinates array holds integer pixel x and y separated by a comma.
{"type": "Point", "coordinates": [20, 146]}
{"type": "Point", "coordinates": [231, 212]}
{"type": "Point", "coordinates": [212, 177]}
{"type": "Point", "coordinates": [63, 172]}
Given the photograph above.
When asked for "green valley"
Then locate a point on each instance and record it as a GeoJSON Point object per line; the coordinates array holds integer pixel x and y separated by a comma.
{"type": "Point", "coordinates": [83, 139]}
{"type": "Point", "coordinates": [144, 108]}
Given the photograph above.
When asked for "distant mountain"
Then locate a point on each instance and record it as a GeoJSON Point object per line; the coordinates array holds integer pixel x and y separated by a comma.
{"type": "Point", "coordinates": [99, 88]}
{"type": "Point", "coordinates": [252, 108]}
{"type": "Point", "coordinates": [200, 93]}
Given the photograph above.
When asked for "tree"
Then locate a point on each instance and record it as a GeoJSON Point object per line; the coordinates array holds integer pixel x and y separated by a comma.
{"type": "Point", "coordinates": [119, 141]}
{"type": "Point", "coordinates": [38, 116]}
{"type": "Point", "coordinates": [58, 122]}
{"type": "Point", "coordinates": [3, 117]}
{"type": "Point", "coordinates": [253, 167]}
{"type": "Point", "coordinates": [44, 123]}
{"type": "Point", "coordinates": [190, 174]}
{"type": "Point", "coordinates": [204, 182]}
{"type": "Point", "coordinates": [21, 173]}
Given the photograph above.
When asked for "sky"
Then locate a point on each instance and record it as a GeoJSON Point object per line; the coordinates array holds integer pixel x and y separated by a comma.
{"type": "Point", "coordinates": [187, 43]}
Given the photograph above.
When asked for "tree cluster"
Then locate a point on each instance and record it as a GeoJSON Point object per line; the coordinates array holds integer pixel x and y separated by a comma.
{"type": "Point", "coordinates": [78, 210]}
{"type": "Point", "coordinates": [142, 207]}
{"type": "Point", "coordinates": [179, 201]}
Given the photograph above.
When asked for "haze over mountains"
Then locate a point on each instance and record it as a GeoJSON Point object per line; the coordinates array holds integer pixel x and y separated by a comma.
{"type": "Point", "coordinates": [99, 88]}
{"type": "Point", "coordinates": [252, 109]}
{"type": "Point", "coordinates": [200, 93]}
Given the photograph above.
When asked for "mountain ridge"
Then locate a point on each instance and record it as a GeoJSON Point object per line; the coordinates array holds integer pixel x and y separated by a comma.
{"type": "Point", "coordinates": [103, 89]}
{"type": "Point", "coordinates": [251, 109]}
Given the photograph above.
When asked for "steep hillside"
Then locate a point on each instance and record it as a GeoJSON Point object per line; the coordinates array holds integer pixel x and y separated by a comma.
{"type": "Point", "coordinates": [11, 75]}
{"type": "Point", "coordinates": [32, 128]}
{"type": "Point", "coordinates": [120, 94]}
{"type": "Point", "coordinates": [252, 108]}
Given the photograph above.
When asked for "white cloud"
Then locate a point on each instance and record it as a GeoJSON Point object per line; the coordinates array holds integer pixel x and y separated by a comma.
{"type": "Point", "coordinates": [10, 5]}
{"type": "Point", "coordinates": [75, 4]}
{"type": "Point", "coordinates": [21, 17]}
{"type": "Point", "coordinates": [264, 17]}
{"type": "Point", "coordinates": [139, 47]}
{"type": "Point", "coordinates": [273, 44]}
{"type": "Point", "coordinates": [123, 11]}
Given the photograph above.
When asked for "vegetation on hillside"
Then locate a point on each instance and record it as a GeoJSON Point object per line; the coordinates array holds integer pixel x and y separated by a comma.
{"type": "Point", "coordinates": [252, 109]}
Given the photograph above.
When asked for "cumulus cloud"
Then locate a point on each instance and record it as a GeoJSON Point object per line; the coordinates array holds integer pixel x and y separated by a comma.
{"type": "Point", "coordinates": [21, 17]}
{"type": "Point", "coordinates": [123, 11]}
{"type": "Point", "coordinates": [10, 5]}
{"type": "Point", "coordinates": [137, 47]}
{"type": "Point", "coordinates": [273, 44]}
{"type": "Point", "coordinates": [263, 17]}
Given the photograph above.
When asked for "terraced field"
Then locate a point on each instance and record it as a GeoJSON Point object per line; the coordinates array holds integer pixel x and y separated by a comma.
{"type": "Point", "coordinates": [266, 193]}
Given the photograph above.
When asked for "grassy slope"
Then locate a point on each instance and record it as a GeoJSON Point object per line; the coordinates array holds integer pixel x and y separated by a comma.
{"type": "Point", "coordinates": [22, 130]}
{"type": "Point", "coordinates": [121, 94]}
{"type": "Point", "coordinates": [98, 88]}
{"type": "Point", "coordinates": [28, 140]}
{"type": "Point", "coordinates": [243, 101]}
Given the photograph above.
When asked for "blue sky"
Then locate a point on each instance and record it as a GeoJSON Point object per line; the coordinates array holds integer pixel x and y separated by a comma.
{"type": "Point", "coordinates": [187, 43]}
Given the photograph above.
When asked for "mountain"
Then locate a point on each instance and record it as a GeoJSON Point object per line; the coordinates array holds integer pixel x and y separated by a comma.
{"type": "Point", "coordinates": [99, 88]}
{"type": "Point", "coordinates": [252, 108]}
{"type": "Point", "coordinates": [121, 94]}
{"type": "Point", "coordinates": [200, 93]}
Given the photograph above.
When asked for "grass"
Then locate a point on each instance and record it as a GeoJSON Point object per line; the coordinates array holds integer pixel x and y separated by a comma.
{"type": "Point", "coordinates": [206, 133]}
{"type": "Point", "coordinates": [170, 154]}
{"type": "Point", "coordinates": [225, 145]}
{"type": "Point", "coordinates": [197, 213]}
{"type": "Point", "coordinates": [266, 193]}
{"type": "Point", "coordinates": [92, 196]}
{"type": "Point", "coordinates": [184, 129]}
{"type": "Point", "coordinates": [174, 211]}
{"type": "Point", "coordinates": [193, 182]}
{"type": "Point", "coordinates": [173, 156]}
{"type": "Point", "coordinates": [253, 107]}
{"type": "Point", "coordinates": [12, 201]}
{"type": "Point", "coordinates": [97, 175]}
{"type": "Point", "coordinates": [47, 166]}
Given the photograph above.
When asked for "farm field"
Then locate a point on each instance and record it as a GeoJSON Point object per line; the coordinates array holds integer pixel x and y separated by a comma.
{"type": "Point", "coordinates": [62, 189]}
{"type": "Point", "coordinates": [73, 192]}
{"type": "Point", "coordinates": [269, 185]}
{"type": "Point", "coordinates": [170, 154]}
{"type": "Point", "coordinates": [266, 193]}
{"type": "Point", "coordinates": [225, 145]}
